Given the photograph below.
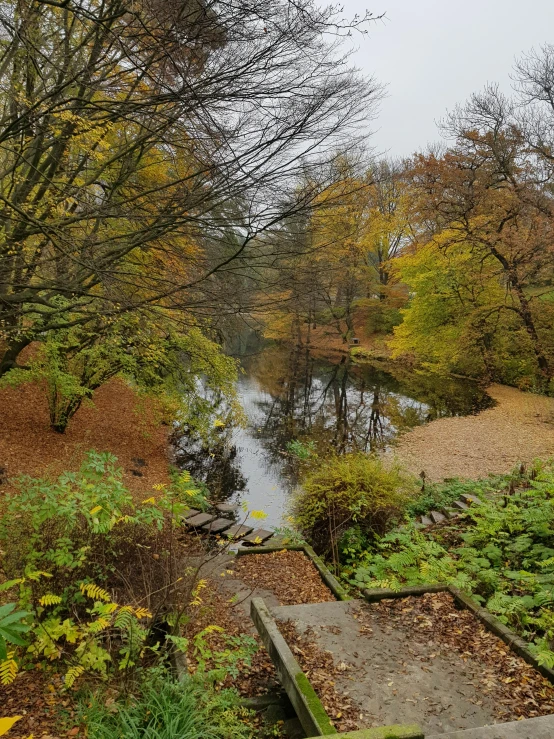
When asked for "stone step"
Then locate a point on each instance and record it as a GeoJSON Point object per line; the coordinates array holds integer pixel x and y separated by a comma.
{"type": "Point", "coordinates": [469, 499]}
{"type": "Point", "coordinates": [541, 727]}
{"type": "Point", "coordinates": [437, 517]}
{"type": "Point", "coordinates": [451, 512]}
{"type": "Point", "coordinates": [258, 536]}
{"type": "Point", "coordinates": [226, 507]}
{"type": "Point", "coordinates": [460, 505]}
{"type": "Point", "coordinates": [426, 521]}
{"type": "Point", "coordinates": [190, 512]}
{"type": "Point", "coordinates": [236, 531]}
{"type": "Point", "coordinates": [215, 527]}
{"type": "Point", "coordinates": [200, 520]}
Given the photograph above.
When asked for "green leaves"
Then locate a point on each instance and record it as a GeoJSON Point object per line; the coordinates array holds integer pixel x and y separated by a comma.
{"type": "Point", "coordinates": [11, 627]}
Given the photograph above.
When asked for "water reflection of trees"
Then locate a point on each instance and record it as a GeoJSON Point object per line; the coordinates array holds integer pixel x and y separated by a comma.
{"type": "Point", "coordinates": [347, 406]}
{"type": "Point", "coordinates": [342, 406]}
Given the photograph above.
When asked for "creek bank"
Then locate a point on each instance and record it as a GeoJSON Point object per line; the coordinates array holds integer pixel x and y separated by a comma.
{"type": "Point", "coordinates": [518, 429]}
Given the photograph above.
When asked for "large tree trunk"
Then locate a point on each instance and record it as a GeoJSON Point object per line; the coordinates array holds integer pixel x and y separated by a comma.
{"type": "Point", "coordinates": [527, 318]}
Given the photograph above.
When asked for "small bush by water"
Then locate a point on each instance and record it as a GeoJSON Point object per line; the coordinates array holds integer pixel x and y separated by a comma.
{"type": "Point", "coordinates": [346, 492]}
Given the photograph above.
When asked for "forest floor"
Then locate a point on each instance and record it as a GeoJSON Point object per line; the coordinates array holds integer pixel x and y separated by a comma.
{"type": "Point", "coordinates": [116, 422]}
{"type": "Point", "coordinates": [519, 428]}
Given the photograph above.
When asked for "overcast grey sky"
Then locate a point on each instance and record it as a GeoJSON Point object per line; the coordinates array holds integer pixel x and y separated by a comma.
{"type": "Point", "coordinates": [435, 53]}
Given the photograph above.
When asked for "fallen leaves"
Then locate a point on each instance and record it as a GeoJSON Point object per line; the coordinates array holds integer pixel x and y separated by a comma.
{"type": "Point", "coordinates": [320, 669]}
{"type": "Point", "coordinates": [519, 690]}
{"type": "Point", "coordinates": [291, 576]}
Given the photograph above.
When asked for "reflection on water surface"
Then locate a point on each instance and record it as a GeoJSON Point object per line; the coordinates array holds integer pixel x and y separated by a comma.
{"type": "Point", "coordinates": [289, 394]}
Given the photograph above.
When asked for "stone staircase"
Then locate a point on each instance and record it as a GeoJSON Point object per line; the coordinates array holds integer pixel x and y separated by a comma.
{"type": "Point", "coordinates": [454, 510]}
{"type": "Point", "coordinates": [221, 521]}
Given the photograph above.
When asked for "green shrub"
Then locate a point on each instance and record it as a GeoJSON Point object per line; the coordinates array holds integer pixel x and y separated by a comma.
{"type": "Point", "coordinates": [72, 548]}
{"type": "Point", "coordinates": [352, 489]}
{"type": "Point", "coordinates": [164, 709]}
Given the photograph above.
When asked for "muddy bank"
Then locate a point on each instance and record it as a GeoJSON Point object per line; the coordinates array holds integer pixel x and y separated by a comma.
{"type": "Point", "coordinates": [518, 429]}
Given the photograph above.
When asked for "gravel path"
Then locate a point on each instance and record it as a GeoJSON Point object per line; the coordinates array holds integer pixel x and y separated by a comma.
{"type": "Point", "coordinates": [518, 429]}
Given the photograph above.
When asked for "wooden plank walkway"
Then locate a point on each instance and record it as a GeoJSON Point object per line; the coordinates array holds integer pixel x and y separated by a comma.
{"type": "Point", "coordinates": [214, 524]}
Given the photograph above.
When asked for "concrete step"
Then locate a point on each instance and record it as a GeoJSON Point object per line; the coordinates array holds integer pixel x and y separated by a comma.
{"type": "Point", "coordinates": [237, 531]}
{"type": "Point", "coordinates": [530, 728]}
{"type": "Point", "coordinates": [451, 512]}
{"type": "Point", "coordinates": [469, 499]}
{"type": "Point", "coordinates": [226, 507]}
{"type": "Point", "coordinates": [258, 536]}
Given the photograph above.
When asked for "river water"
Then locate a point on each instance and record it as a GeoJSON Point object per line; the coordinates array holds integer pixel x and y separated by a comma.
{"type": "Point", "coordinates": [289, 394]}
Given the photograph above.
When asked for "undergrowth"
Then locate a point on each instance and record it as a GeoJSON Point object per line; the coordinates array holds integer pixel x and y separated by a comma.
{"type": "Point", "coordinates": [162, 708]}
{"type": "Point", "coordinates": [500, 551]}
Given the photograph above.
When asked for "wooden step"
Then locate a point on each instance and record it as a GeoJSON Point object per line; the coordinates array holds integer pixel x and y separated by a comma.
{"type": "Point", "coordinates": [200, 520]}
{"type": "Point", "coordinates": [258, 536]}
{"type": "Point", "coordinates": [236, 531]}
{"type": "Point", "coordinates": [215, 527]}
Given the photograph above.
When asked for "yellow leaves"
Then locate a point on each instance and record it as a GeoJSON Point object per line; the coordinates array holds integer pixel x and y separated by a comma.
{"type": "Point", "coordinates": [49, 600]}
{"type": "Point", "coordinates": [196, 599]}
{"type": "Point", "coordinates": [99, 625]}
{"type": "Point", "coordinates": [149, 501]}
{"type": "Point", "coordinates": [260, 515]}
{"type": "Point", "coordinates": [218, 423]}
{"type": "Point", "coordinates": [142, 613]}
{"type": "Point", "coordinates": [72, 674]}
{"type": "Point", "coordinates": [7, 723]}
{"type": "Point", "coordinates": [8, 669]}
{"type": "Point", "coordinates": [95, 510]}
{"type": "Point", "coordinates": [94, 591]}
{"type": "Point", "coordinates": [211, 629]}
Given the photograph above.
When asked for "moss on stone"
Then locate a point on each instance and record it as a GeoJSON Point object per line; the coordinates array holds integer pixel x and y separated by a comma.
{"type": "Point", "coordinates": [398, 731]}
{"type": "Point", "coordinates": [314, 704]}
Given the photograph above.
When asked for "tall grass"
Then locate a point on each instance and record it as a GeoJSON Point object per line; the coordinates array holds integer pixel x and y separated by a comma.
{"type": "Point", "coordinates": [164, 709]}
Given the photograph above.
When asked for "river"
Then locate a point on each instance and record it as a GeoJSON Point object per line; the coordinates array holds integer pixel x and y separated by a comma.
{"type": "Point", "coordinates": [289, 394]}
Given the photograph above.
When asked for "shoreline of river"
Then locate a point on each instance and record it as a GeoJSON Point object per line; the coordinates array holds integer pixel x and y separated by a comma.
{"type": "Point", "coordinates": [518, 429]}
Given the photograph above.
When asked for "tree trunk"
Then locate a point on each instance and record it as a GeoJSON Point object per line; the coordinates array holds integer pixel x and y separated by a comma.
{"type": "Point", "coordinates": [527, 318]}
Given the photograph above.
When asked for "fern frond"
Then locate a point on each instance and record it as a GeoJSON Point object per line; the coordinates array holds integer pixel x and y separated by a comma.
{"type": "Point", "coordinates": [124, 620]}
{"type": "Point", "coordinates": [8, 669]}
{"type": "Point", "coordinates": [94, 591]}
{"type": "Point", "coordinates": [10, 583]}
{"type": "Point", "coordinates": [95, 627]}
{"type": "Point", "coordinates": [72, 675]}
{"type": "Point", "coordinates": [49, 600]}
{"type": "Point", "coordinates": [142, 613]}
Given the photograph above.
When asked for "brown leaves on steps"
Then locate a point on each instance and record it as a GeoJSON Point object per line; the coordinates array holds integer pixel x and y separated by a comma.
{"type": "Point", "coordinates": [289, 575]}
{"type": "Point", "coordinates": [518, 689]}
